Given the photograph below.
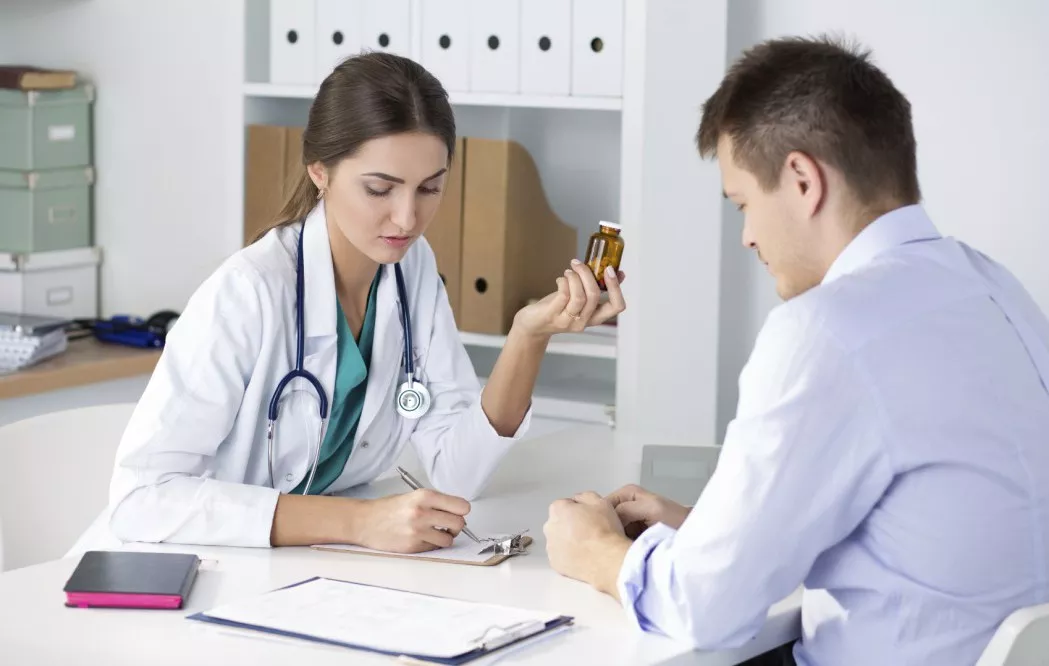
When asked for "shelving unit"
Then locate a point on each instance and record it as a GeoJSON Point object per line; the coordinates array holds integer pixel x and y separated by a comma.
{"type": "Point", "coordinates": [575, 142]}
{"type": "Point", "coordinates": [598, 342]}
{"type": "Point", "coordinates": [278, 91]}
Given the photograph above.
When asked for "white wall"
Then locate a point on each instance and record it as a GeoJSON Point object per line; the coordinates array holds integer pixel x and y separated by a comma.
{"type": "Point", "coordinates": [168, 84]}
{"type": "Point", "coordinates": [671, 208]}
{"type": "Point", "coordinates": [977, 76]}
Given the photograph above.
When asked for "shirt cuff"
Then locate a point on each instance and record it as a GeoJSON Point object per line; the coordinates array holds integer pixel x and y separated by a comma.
{"type": "Point", "coordinates": [634, 572]}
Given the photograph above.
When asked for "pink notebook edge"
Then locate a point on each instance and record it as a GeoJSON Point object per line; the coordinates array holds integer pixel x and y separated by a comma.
{"type": "Point", "coordinates": [113, 600]}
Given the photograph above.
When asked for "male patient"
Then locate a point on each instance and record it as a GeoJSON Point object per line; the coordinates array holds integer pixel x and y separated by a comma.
{"type": "Point", "coordinates": [890, 449]}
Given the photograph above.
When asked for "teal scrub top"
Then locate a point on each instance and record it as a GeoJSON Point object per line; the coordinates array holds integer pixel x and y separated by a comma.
{"type": "Point", "coordinates": [351, 383]}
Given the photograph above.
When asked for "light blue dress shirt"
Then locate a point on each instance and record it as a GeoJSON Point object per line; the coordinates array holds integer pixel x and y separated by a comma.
{"type": "Point", "coordinates": [890, 452]}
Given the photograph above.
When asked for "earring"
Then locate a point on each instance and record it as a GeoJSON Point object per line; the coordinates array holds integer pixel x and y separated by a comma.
{"type": "Point", "coordinates": [320, 193]}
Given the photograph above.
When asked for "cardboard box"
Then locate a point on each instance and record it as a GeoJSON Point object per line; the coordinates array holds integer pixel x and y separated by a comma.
{"type": "Point", "coordinates": [514, 246]}
{"type": "Point", "coordinates": [273, 167]}
{"type": "Point", "coordinates": [445, 233]}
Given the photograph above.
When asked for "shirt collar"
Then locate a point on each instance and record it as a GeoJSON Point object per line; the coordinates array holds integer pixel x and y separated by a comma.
{"type": "Point", "coordinates": [893, 229]}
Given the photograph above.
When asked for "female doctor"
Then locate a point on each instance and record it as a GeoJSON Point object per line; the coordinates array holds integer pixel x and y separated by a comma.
{"type": "Point", "coordinates": [336, 301]}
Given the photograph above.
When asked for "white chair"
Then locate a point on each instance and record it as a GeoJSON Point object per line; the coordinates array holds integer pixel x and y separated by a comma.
{"type": "Point", "coordinates": [56, 468]}
{"type": "Point", "coordinates": [1021, 640]}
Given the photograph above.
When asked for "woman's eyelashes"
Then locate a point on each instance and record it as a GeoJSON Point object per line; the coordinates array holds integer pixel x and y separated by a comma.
{"type": "Point", "coordinates": [372, 192]}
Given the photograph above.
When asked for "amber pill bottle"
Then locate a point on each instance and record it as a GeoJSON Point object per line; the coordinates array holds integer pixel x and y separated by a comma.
{"type": "Point", "coordinates": [604, 249]}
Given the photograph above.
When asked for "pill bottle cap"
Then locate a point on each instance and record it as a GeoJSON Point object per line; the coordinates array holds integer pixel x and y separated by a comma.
{"type": "Point", "coordinates": [611, 225]}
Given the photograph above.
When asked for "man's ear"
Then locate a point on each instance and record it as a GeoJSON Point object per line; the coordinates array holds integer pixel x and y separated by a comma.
{"type": "Point", "coordinates": [318, 174]}
{"type": "Point", "coordinates": [806, 179]}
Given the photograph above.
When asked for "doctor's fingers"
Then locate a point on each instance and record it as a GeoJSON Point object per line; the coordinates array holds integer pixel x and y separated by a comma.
{"type": "Point", "coordinates": [431, 499]}
{"type": "Point", "coordinates": [438, 538]}
{"type": "Point", "coordinates": [615, 304]}
{"type": "Point", "coordinates": [439, 519]}
{"type": "Point", "coordinates": [591, 290]}
{"type": "Point", "coordinates": [575, 309]}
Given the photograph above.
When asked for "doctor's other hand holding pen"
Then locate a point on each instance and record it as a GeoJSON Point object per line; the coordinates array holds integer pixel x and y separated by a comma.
{"type": "Point", "coordinates": [415, 522]}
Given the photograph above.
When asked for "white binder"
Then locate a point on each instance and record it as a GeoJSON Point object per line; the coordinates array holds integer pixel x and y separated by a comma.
{"type": "Point", "coordinates": [386, 25]}
{"type": "Point", "coordinates": [495, 54]}
{"type": "Point", "coordinates": [546, 47]}
{"type": "Point", "coordinates": [597, 48]}
{"type": "Point", "coordinates": [339, 25]}
{"type": "Point", "coordinates": [446, 42]}
{"type": "Point", "coordinates": [293, 42]}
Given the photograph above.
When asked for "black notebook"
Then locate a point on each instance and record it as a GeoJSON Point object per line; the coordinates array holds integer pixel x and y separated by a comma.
{"type": "Point", "coordinates": [118, 579]}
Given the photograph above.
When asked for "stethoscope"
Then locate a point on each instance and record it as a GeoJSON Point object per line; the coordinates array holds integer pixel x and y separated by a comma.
{"type": "Point", "coordinates": [412, 399]}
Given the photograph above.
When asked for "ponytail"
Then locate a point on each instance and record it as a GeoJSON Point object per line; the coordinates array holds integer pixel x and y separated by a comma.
{"type": "Point", "coordinates": [296, 206]}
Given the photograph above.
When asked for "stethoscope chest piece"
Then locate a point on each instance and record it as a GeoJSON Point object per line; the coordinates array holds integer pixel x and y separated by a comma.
{"type": "Point", "coordinates": [413, 400]}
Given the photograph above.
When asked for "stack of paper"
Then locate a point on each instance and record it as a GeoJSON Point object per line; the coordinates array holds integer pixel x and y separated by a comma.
{"type": "Point", "coordinates": [387, 621]}
{"type": "Point", "coordinates": [27, 340]}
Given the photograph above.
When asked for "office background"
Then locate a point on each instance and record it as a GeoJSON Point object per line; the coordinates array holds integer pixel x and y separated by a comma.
{"type": "Point", "coordinates": [178, 82]}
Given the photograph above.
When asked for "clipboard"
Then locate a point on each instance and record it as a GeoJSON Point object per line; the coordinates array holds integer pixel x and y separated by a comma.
{"type": "Point", "coordinates": [493, 639]}
{"type": "Point", "coordinates": [522, 542]}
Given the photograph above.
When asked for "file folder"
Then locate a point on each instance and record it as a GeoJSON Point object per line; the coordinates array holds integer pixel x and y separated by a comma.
{"type": "Point", "coordinates": [372, 619]}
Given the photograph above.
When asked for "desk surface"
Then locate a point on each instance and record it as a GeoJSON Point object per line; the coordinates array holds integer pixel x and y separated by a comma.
{"type": "Point", "coordinates": [86, 361]}
{"type": "Point", "coordinates": [34, 624]}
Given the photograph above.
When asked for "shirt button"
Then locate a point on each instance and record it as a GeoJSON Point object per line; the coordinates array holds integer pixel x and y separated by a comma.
{"type": "Point", "coordinates": [365, 445]}
{"type": "Point", "coordinates": [288, 477]}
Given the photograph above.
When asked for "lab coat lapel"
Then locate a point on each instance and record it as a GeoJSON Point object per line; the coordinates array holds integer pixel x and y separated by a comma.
{"type": "Point", "coordinates": [320, 308]}
{"type": "Point", "coordinates": [386, 349]}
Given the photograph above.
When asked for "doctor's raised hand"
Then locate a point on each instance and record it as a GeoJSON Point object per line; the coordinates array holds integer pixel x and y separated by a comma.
{"type": "Point", "coordinates": [311, 359]}
{"type": "Point", "coordinates": [576, 304]}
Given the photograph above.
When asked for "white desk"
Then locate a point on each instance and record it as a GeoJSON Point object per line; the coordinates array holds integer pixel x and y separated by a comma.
{"type": "Point", "coordinates": [35, 627]}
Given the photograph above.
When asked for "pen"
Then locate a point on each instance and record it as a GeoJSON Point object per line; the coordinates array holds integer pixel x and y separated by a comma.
{"type": "Point", "coordinates": [415, 485]}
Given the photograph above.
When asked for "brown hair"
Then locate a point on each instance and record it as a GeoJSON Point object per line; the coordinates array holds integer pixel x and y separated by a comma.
{"type": "Point", "coordinates": [366, 97]}
{"type": "Point", "coordinates": [825, 99]}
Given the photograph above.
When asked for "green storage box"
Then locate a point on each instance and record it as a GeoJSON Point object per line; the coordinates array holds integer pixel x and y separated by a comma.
{"type": "Point", "coordinates": [45, 129]}
{"type": "Point", "coordinates": [43, 211]}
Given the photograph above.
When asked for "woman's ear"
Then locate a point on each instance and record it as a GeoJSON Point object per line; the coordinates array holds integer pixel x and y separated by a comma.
{"type": "Point", "coordinates": [319, 175]}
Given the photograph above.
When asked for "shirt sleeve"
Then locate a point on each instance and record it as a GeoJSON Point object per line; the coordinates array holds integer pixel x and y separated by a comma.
{"type": "Point", "coordinates": [801, 466]}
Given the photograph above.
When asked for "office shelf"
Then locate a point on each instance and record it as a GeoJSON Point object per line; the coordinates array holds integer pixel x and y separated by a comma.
{"type": "Point", "coordinates": [597, 342]}
{"type": "Point", "coordinates": [272, 90]}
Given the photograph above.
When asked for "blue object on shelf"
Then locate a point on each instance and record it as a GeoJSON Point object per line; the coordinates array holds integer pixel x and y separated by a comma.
{"type": "Point", "coordinates": [135, 331]}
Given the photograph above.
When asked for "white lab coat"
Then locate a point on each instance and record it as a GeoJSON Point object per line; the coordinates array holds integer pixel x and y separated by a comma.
{"type": "Point", "coordinates": [192, 466]}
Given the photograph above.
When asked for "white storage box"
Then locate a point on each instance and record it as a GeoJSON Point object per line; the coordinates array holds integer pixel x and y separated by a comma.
{"type": "Point", "coordinates": [293, 42]}
{"type": "Point", "coordinates": [446, 42]}
{"type": "Point", "coordinates": [597, 48]}
{"type": "Point", "coordinates": [495, 49]}
{"type": "Point", "coordinates": [546, 43]}
{"type": "Point", "coordinates": [63, 283]}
